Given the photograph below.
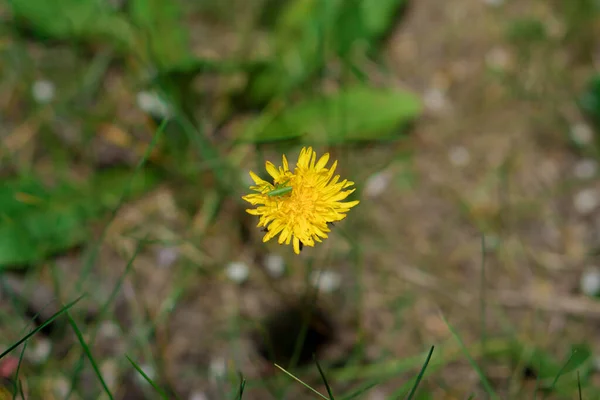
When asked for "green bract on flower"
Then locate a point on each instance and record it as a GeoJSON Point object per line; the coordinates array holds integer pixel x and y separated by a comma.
{"type": "Point", "coordinates": [300, 216]}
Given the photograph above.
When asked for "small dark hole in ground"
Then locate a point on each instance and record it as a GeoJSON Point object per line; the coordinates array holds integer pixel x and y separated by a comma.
{"type": "Point", "coordinates": [282, 330]}
{"type": "Point", "coordinates": [529, 373]}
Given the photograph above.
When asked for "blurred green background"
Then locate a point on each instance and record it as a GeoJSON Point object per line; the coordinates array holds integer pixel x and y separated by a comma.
{"type": "Point", "coordinates": [129, 268]}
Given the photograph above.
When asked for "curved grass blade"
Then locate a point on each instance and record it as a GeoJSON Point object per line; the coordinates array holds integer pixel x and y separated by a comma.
{"type": "Point", "coordinates": [329, 392]}
{"type": "Point", "coordinates": [302, 383]}
{"type": "Point", "coordinates": [420, 376]}
{"type": "Point", "coordinates": [147, 378]}
{"type": "Point", "coordinates": [16, 378]}
{"type": "Point", "coordinates": [242, 387]}
{"type": "Point", "coordinates": [484, 381]}
{"type": "Point", "coordinates": [88, 352]}
{"type": "Point", "coordinates": [361, 390]}
{"type": "Point", "coordinates": [42, 326]}
{"type": "Point", "coordinates": [579, 386]}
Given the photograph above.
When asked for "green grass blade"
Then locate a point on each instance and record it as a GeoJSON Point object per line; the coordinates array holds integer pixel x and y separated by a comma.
{"type": "Point", "coordinates": [538, 379]}
{"type": "Point", "coordinates": [329, 392]}
{"type": "Point", "coordinates": [90, 357]}
{"type": "Point", "coordinates": [16, 387]}
{"type": "Point", "coordinates": [579, 386]}
{"type": "Point", "coordinates": [119, 283]}
{"type": "Point", "coordinates": [559, 373]}
{"type": "Point", "coordinates": [147, 378]}
{"type": "Point", "coordinates": [42, 326]}
{"type": "Point", "coordinates": [361, 390]}
{"type": "Point", "coordinates": [484, 381]}
{"type": "Point", "coordinates": [413, 391]}
{"type": "Point", "coordinates": [242, 387]}
{"type": "Point", "coordinates": [302, 383]}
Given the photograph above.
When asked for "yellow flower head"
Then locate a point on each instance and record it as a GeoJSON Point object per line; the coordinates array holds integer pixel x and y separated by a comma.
{"type": "Point", "coordinates": [300, 216]}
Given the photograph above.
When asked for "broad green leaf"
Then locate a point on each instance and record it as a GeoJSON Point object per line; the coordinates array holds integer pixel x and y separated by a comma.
{"type": "Point", "coordinates": [554, 373]}
{"type": "Point", "coordinates": [160, 24]}
{"type": "Point", "coordinates": [359, 113]}
{"type": "Point", "coordinates": [74, 20]}
{"type": "Point", "coordinates": [310, 32]}
{"type": "Point", "coordinates": [36, 222]}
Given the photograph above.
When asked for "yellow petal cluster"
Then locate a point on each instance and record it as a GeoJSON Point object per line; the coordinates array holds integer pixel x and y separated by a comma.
{"type": "Point", "coordinates": [300, 217]}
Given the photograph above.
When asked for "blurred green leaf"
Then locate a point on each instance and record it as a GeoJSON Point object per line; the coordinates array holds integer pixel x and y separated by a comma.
{"type": "Point", "coordinates": [36, 221]}
{"type": "Point", "coordinates": [359, 113]}
{"type": "Point", "coordinates": [590, 100]}
{"type": "Point", "coordinates": [74, 19]}
{"type": "Point", "coordinates": [161, 26]}
{"type": "Point", "coordinates": [526, 30]}
{"type": "Point", "coordinates": [554, 373]}
{"type": "Point", "coordinates": [309, 32]}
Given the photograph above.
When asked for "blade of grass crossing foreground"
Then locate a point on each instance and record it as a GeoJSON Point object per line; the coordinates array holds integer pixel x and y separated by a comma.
{"type": "Point", "coordinates": [361, 390]}
{"type": "Point", "coordinates": [79, 366]}
{"type": "Point", "coordinates": [486, 384]}
{"type": "Point", "coordinates": [559, 374]}
{"type": "Point", "coordinates": [538, 379]}
{"type": "Point", "coordinates": [413, 391]}
{"type": "Point", "coordinates": [147, 378]}
{"type": "Point", "coordinates": [329, 392]}
{"type": "Point", "coordinates": [579, 386]}
{"type": "Point", "coordinates": [88, 352]}
{"type": "Point", "coordinates": [482, 298]}
{"type": "Point", "coordinates": [242, 387]}
{"type": "Point", "coordinates": [302, 383]}
{"type": "Point", "coordinates": [42, 326]}
{"type": "Point", "coordinates": [16, 379]}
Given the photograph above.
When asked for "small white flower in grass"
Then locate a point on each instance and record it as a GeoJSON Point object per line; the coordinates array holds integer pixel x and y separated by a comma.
{"type": "Point", "coordinates": [109, 329]}
{"type": "Point", "coordinates": [586, 201]}
{"type": "Point", "coordinates": [237, 271]}
{"type": "Point", "coordinates": [494, 3]}
{"type": "Point", "coordinates": [39, 350]}
{"type": "Point", "coordinates": [377, 183]}
{"type": "Point", "coordinates": [166, 256]}
{"type": "Point", "coordinates": [435, 100]}
{"type": "Point", "coordinates": [585, 169]}
{"type": "Point", "coordinates": [326, 281]}
{"type": "Point", "coordinates": [43, 91]}
{"type": "Point", "coordinates": [275, 265]}
{"type": "Point", "coordinates": [459, 156]}
{"type": "Point", "coordinates": [590, 281]}
{"type": "Point", "coordinates": [61, 387]}
{"type": "Point", "coordinates": [217, 368]}
{"type": "Point", "coordinates": [582, 134]}
{"type": "Point", "coordinates": [377, 394]}
{"type": "Point", "coordinates": [151, 103]}
{"type": "Point", "coordinates": [198, 396]}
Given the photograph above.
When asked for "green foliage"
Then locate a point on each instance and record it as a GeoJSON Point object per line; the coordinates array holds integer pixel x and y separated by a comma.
{"type": "Point", "coordinates": [74, 20]}
{"type": "Point", "coordinates": [161, 27]}
{"type": "Point", "coordinates": [356, 113]}
{"type": "Point", "coordinates": [36, 222]}
{"type": "Point", "coordinates": [527, 30]}
{"type": "Point", "coordinates": [309, 32]}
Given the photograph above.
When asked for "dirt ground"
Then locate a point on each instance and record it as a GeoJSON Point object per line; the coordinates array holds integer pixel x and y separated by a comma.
{"type": "Point", "coordinates": [492, 157]}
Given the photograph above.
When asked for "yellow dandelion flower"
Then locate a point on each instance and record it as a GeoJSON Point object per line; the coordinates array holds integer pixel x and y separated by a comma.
{"type": "Point", "coordinates": [300, 216]}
